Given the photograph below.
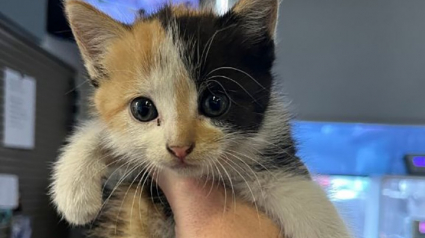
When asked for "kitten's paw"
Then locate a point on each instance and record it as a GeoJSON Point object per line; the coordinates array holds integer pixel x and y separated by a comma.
{"type": "Point", "coordinates": [77, 176]}
{"type": "Point", "coordinates": [78, 206]}
{"type": "Point", "coordinates": [78, 201]}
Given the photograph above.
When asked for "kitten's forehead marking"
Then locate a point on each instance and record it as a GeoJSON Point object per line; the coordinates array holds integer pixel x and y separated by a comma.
{"type": "Point", "coordinates": [179, 100]}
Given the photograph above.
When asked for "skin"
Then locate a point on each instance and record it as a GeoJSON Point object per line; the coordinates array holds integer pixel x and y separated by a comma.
{"type": "Point", "coordinates": [203, 212]}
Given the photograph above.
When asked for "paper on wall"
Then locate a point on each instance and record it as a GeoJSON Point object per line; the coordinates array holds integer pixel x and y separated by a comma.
{"type": "Point", "coordinates": [9, 191]}
{"type": "Point", "coordinates": [19, 110]}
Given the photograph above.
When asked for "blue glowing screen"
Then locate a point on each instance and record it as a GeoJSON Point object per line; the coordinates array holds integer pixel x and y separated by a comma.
{"type": "Point", "coordinates": [358, 149]}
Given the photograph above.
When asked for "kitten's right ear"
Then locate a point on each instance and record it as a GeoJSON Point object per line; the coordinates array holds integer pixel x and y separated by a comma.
{"type": "Point", "coordinates": [94, 31]}
{"type": "Point", "coordinates": [259, 15]}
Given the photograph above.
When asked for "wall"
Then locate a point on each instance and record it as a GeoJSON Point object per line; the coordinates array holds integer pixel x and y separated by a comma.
{"type": "Point", "coordinates": [52, 119]}
{"type": "Point", "coordinates": [68, 52]}
{"type": "Point", "coordinates": [32, 18]}
{"type": "Point", "coordinates": [29, 14]}
{"type": "Point", "coordinates": [354, 60]}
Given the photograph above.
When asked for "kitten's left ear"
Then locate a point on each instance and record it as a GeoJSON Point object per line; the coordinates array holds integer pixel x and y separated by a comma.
{"type": "Point", "coordinates": [260, 16]}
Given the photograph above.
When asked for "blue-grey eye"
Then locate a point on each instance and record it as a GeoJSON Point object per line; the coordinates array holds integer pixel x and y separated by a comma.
{"type": "Point", "coordinates": [143, 109]}
{"type": "Point", "coordinates": [214, 105]}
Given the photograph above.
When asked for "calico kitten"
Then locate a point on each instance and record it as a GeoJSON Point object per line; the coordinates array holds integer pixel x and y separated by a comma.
{"type": "Point", "coordinates": [191, 91]}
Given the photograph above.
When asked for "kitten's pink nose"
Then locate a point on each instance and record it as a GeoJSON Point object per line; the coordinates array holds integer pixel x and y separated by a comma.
{"type": "Point", "coordinates": [180, 152]}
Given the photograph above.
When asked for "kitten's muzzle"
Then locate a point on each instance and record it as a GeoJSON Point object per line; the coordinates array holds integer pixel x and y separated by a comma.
{"type": "Point", "coordinates": [180, 152]}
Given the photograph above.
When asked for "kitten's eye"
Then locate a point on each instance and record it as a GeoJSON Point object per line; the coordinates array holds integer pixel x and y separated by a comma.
{"type": "Point", "coordinates": [215, 105]}
{"type": "Point", "coordinates": [143, 109]}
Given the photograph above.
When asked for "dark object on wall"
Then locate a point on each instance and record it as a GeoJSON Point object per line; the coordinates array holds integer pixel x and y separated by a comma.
{"type": "Point", "coordinates": [415, 164]}
{"type": "Point", "coordinates": [57, 24]}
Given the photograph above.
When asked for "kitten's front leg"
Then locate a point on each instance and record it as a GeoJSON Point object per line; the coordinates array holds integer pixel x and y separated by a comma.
{"type": "Point", "coordinates": [77, 175]}
{"type": "Point", "coordinates": [303, 210]}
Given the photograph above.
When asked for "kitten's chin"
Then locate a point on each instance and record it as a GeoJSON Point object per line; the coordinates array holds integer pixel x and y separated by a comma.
{"type": "Point", "coordinates": [190, 170]}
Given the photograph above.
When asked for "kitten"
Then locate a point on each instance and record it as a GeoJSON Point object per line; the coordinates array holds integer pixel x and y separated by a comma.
{"type": "Point", "coordinates": [191, 91]}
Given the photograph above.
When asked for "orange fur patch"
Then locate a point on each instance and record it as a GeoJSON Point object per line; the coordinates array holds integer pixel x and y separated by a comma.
{"type": "Point", "coordinates": [128, 64]}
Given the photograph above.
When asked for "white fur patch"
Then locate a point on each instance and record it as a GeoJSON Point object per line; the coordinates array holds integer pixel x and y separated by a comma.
{"type": "Point", "coordinates": [77, 175]}
{"type": "Point", "coordinates": [300, 206]}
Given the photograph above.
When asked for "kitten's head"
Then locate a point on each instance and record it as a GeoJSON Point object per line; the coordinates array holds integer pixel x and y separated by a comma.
{"type": "Point", "coordinates": [182, 88]}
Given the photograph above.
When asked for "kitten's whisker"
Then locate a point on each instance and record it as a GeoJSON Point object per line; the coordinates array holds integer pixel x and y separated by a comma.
{"type": "Point", "coordinates": [125, 195]}
{"type": "Point", "coordinates": [78, 86]}
{"type": "Point", "coordinates": [148, 169]}
{"type": "Point", "coordinates": [103, 189]}
{"type": "Point", "coordinates": [132, 205]}
{"type": "Point", "coordinates": [198, 49]}
{"type": "Point", "coordinates": [250, 190]}
{"type": "Point", "coordinates": [209, 47]}
{"type": "Point", "coordinates": [224, 90]}
{"type": "Point", "coordinates": [209, 44]}
{"type": "Point", "coordinates": [230, 181]}
{"type": "Point", "coordinates": [157, 188]}
{"type": "Point", "coordinates": [208, 174]}
{"type": "Point", "coordinates": [278, 147]}
{"type": "Point", "coordinates": [262, 140]}
{"type": "Point", "coordinates": [151, 189]}
{"type": "Point", "coordinates": [253, 160]}
{"type": "Point", "coordinates": [202, 174]}
{"type": "Point", "coordinates": [227, 154]}
{"type": "Point", "coordinates": [213, 179]}
{"type": "Point", "coordinates": [201, 59]}
{"type": "Point", "coordinates": [234, 81]}
{"type": "Point", "coordinates": [111, 175]}
{"type": "Point", "coordinates": [135, 194]}
{"type": "Point", "coordinates": [107, 165]}
{"type": "Point", "coordinates": [125, 175]}
{"type": "Point", "coordinates": [239, 70]}
{"type": "Point", "coordinates": [224, 186]}
{"type": "Point", "coordinates": [260, 186]}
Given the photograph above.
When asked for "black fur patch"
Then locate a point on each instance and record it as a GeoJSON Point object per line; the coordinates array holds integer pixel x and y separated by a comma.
{"type": "Point", "coordinates": [222, 57]}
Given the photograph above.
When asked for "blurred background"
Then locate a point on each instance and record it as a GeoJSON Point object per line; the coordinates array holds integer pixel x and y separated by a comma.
{"type": "Point", "coordinates": [353, 69]}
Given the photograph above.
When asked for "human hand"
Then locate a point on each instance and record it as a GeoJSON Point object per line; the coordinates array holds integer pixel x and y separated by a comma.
{"type": "Point", "coordinates": [202, 210]}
